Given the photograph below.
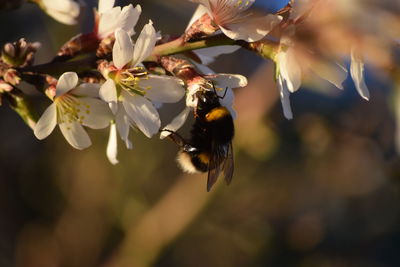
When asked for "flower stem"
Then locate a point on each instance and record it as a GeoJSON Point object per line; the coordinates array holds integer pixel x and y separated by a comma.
{"type": "Point", "coordinates": [264, 48]}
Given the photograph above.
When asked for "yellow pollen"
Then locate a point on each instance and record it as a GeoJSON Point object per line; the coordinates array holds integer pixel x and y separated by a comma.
{"type": "Point", "coordinates": [67, 109]}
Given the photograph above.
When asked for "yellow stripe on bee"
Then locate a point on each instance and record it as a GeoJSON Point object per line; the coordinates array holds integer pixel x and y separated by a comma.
{"type": "Point", "coordinates": [204, 158]}
{"type": "Point", "coordinates": [217, 113]}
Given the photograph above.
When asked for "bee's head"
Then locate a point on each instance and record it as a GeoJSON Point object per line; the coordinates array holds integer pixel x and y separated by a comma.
{"type": "Point", "coordinates": [207, 97]}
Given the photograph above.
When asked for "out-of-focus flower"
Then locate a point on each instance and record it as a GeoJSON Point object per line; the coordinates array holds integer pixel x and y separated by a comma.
{"type": "Point", "coordinates": [64, 11]}
{"type": "Point", "coordinates": [73, 107]}
{"type": "Point", "coordinates": [289, 69]}
{"type": "Point", "coordinates": [234, 20]}
{"type": "Point", "coordinates": [5, 87]}
{"type": "Point", "coordinates": [221, 83]}
{"type": "Point", "coordinates": [131, 92]}
{"type": "Point", "coordinates": [357, 74]}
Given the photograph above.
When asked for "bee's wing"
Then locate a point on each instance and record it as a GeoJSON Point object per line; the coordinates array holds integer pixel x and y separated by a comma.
{"type": "Point", "coordinates": [214, 167]}
{"type": "Point", "coordinates": [227, 168]}
{"type": "Point", "coordinates": [221, 160]}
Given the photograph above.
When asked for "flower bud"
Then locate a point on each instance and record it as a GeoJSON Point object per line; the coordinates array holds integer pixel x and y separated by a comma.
{"type": "Point", "coordinates": [19, 54]}
{"type": "Point", "coordinates": [5, 87]}
{"type": "Point", "coordinates": [11, 76]}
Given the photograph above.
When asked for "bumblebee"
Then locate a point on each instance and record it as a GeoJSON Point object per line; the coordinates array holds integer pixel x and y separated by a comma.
{"type": "Point", "coordinates": [209, 148]}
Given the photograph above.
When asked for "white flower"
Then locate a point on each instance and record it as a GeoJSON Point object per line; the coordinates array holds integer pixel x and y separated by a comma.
{"type": "Point", "coordinates": [289, 70]}
{"type": "Point", "coordinates": [131, 92]}
{"type": "Point", "coordinates": [234, 21]}
{"type": "Point", "coordinates": [222, 83]}
{"type": "Point", "coordinates": [72, 107]}
{"type": "Point", "coordinates": [111, 18]}
{"type": "Point", "coordinates": [357, 74]}
{"type": "Point", "coordinates": [64, 11]}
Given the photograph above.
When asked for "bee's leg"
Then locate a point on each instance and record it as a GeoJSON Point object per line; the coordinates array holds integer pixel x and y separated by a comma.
{"type": "Point", "coordinates": [180, 141]}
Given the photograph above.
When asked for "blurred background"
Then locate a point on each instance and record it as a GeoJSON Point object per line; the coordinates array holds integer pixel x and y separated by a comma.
{"type": "Point", "coordinates": [322, 189]}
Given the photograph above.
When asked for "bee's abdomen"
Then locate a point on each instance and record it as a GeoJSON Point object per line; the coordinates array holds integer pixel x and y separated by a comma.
{"type": "Point", "coordinates": [221, 123]}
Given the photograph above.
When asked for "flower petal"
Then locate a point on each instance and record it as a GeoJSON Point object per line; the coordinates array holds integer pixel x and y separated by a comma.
{"type": "Point", "coordinates": [87, 89]}
{"type": "Point", "coordinates": [228, 80]}
{"type": "Point", "coordinates": [65, 6]}
{"type": "Point", "coordinates": [333, 73]}
{"type": "Point", "coordinates": [108, 92]}
{"type": "Point", "coordinates": [164, 89]}
{"type": "Point", "coordinates": [64, 11]}
{"type": "Point", "coordinates": [227, 98]}
{"type": "Point", "coordinates": [129, 17]}
{"type": "Point", "coordinates": [357, 73]}
{"type": "Point", "coordinates": [176, 123]}
{"type": "Point", "coordinates": [115, 18]}
{"type": "Point", "coordinates": [108, 22]}
{"type": "Point", "coordinates": [95, 113]}
{"type": "Point", "coordinates": [105, 5]}
{"type": "Point", "coordinates": [289, 69]}
{"type": "Point", "coordinates": [123, 125]}
{"type": "Point", "coordinates": [64, 18]}
{"type": "Point", "coordinates": [198, 13]}
{"type": "Point", "coordinates": [285, 94]}
{"type": "Point", "coordinates": [75, 135]}
{"type": "Point", "coordinates": [208, 55]}
{"type": "Point", "coordinates": [251, 29]}
{"type": "Point", "coordinates": [123, 49]}
{"type": "Point", "coordinates": [144, 44]}
{"type": "Point", "coordinates": [46, 123]}
{"type": "Point", "coordinates": [66, 82]}
{"type": "Point", "coordinates": [142, 112]}
{"type": "Point", "coordinates": [112, 145]}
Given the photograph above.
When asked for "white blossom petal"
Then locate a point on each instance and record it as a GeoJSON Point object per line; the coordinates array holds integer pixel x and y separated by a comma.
{"type": "Point", "coordinates": [66, 82]}
{"type": "Point", "coordinates": [105, 5]}
{"type": "Point", "coordinates": [163, 89]}
{"type": "Point", "coordinates": [108, 22]}
{"type": "Point", "coordinates": [142, 112]}
{"type": "Point", "coordinates": [94, 113]}
{"type": "Point", "coordinates": [75, 135]}
{"type": "Point", "coordinates": [198, 13]}
{"type": "Point", "coordinates": [208, 55]}
{"type": "Point", "coordinates": [285, 94]}
{"type": "Point", "coordinates": [251, 29]}
{"type": "Point", "coordinates": [45, 126]}
{"type": "Point", "coordinates": [228, 80]}
{"type": "Point", "coordinates": [64, 11]}
{"type": "Point", "coordinates": [129, 17]}
{"type": "Point", "coordinates": [123, 124]}
{"type": "Point", "coordinates": [123, 49]}
{"type": "Point", "coordinates": [87, 89]}
{"type": "Point", "coordinates": [125, 18]}
{"type": "Point", "coordinates": [108, 92]}
{"type": "Point", "coordinates": [176, 123]}
{"type": "Point", "coordinates": [357, 74]}
{"type": "Point", "coordinates": [289, 69]}
{"type": "Point", "coordinates": [112, 145]}
{"type": "Point", "coordinates": [333, 73]}
{"type": "Point", "coordinates": [144, 44]}
{"type": "Point", "coordinates": [226, 100]}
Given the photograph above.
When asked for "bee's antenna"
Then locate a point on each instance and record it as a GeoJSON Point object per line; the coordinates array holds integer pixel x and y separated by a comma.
{"type": "Point", "coordinates": [215, 91]}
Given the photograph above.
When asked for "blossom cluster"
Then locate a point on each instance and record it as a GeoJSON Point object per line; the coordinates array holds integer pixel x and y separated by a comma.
{"type": "Point", "coordinates": [136, 77]}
